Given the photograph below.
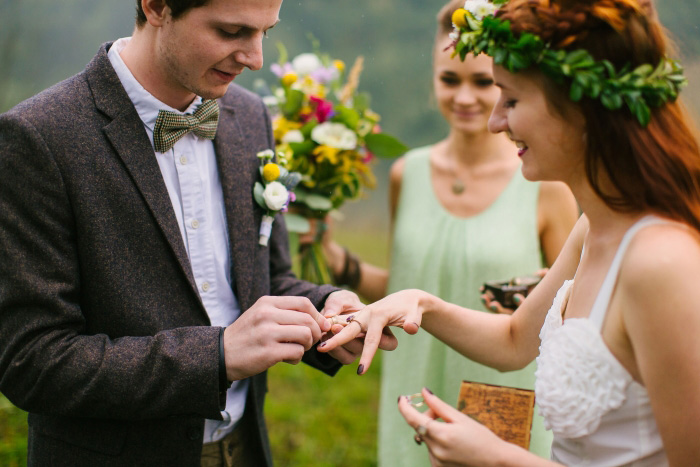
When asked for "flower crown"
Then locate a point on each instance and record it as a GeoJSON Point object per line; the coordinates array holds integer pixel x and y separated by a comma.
{"type": "Point", "coordinates": [478, 30]}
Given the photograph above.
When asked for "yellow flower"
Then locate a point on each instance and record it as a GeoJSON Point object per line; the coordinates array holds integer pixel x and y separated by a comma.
{"type": "Point", "coordinates": [328, 153]}
{"type": "Point", "coordinates": [281, 126]}
{"type": "Point", "coordinates": [375, 117]}
{"type": "Point", "coordinates": [289, 78]}
{"type": "Point", "coordinates": [339, 65]}
{"type": "Point", "coordinates": [459, 18]}
{"type": "Point", "coordinates": [271, 172]}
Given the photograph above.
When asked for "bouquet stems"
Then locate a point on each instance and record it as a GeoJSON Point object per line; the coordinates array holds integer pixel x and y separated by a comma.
{"type": "Point", "coordinates": [313, 264]}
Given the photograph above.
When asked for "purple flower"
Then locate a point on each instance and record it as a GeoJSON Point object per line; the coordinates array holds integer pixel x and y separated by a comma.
{"type": "Point", "coordinates": [324, 75]}
{"type": "Point", "coordinates": [281, 70]}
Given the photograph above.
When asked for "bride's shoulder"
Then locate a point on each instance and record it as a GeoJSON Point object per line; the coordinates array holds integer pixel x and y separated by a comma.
{"type": "Point", "coordinates": [664, 253]}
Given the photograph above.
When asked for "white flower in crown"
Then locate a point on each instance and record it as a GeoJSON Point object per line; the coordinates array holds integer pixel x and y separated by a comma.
{"type": "Point", "coordinates": [305, 64]}
{"type": "Point", "coordinates": [335, 135]}
{"type": "Point", "coordinates": [275, 195]}
{"type": "Point", "coordinates": [293, 136]}
{"type": "Point", "coordinates": [480, 8]}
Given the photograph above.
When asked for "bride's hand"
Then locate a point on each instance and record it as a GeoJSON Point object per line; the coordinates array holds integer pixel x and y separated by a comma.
{"type": "Point", "coordinates": [457, 440]}
{"type": "Point", "coordinates": [402, 309]}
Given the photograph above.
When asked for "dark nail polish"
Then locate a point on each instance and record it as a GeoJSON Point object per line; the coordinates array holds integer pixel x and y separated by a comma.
{"type": "Point", "coordinates": [322, 344]}
{"type": "Point", "coordinates": [360, 369]}
{"type": "Point", "coordinates": [398, 400]}
{"type": "Point", "coordinates": [429, 391]}
{"type": "Point", "coordinates": [517, 299]}
{"type": "Point", "coordinates": [493, 308]}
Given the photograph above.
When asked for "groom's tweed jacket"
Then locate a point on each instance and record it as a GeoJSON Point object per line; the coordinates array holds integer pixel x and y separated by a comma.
{"type": "Point", "coordinates": [103, 336]}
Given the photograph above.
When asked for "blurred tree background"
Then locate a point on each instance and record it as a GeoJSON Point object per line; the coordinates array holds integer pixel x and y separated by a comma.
{"type": "Point", "coordinates": [314, 420]}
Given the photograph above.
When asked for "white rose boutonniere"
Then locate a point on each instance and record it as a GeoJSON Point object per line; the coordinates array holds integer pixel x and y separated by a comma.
{"type": "Point", "coordinates": [276, 196]}
{"type": "Point", "coordinates": [274, 192]}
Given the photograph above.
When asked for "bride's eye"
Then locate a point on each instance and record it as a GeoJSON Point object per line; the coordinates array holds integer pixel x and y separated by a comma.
{"type": "Point", "coordinates": [509, 103]}
{"type": "Point", "coordinates": [484, 83]}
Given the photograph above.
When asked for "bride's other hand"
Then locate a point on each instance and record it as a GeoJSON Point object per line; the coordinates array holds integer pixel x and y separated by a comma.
{"type": "Point", "coordinates": [402, 309]}
{"type": "Point", "coordinates": [457, 440]}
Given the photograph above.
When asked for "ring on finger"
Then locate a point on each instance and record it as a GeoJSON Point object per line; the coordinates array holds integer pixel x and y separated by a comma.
{"type": "Point", "coordinates": [422, 430]}
{"type": "Point", "coordinates": [355, 320]}
{"type": "Point", "coordinates": [336, 319]}
{"type": "Point", "coordinates": [418, 439]}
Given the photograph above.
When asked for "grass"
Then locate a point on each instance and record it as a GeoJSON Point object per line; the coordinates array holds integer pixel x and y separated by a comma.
{"type": "Point", "coordinates": [13, 435]}
{"type": "Point", "coordinates": [313, 419]}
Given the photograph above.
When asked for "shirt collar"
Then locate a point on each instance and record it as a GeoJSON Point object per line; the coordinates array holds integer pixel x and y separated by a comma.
{"type": "Point", "coordinates": [146, 105]}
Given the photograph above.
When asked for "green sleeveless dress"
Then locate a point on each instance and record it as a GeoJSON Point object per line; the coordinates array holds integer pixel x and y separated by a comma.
{"type": "Point", "coordinates": [451, 258]}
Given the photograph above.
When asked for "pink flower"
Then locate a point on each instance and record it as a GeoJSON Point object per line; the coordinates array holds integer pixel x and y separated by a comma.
{"type": "Point", "coordinates": [323, 109]}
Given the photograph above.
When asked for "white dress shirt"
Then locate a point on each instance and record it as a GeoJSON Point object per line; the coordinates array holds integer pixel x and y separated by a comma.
{"type": "Point", "coordinates": [191, 176]}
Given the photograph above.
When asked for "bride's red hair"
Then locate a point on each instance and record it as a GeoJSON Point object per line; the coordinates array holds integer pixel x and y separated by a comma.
{"type": "Point", "coordinates": [654, 168]}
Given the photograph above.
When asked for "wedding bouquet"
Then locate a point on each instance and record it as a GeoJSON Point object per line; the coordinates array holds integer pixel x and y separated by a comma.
{"type": "Point", "coordinates": [325, 130]}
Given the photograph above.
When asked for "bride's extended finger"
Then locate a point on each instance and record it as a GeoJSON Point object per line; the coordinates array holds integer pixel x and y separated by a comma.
{"type": "Point", "coordinates": [372, 340]}
{"type": "Point", "coordinates": [348, 333]}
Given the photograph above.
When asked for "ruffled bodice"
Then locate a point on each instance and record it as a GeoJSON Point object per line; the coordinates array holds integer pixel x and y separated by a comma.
{"type": "Point", "coordinates": [578, 380]}
{"type": "Point", "coordinates": [599, 415]}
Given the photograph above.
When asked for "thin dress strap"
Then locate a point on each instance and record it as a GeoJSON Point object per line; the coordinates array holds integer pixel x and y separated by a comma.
{"type": "Point", "coordinates": [602, 301]}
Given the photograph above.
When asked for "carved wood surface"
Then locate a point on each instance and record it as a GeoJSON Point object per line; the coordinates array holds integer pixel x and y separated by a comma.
{"type": "Point", "coordinates": [505, 411]}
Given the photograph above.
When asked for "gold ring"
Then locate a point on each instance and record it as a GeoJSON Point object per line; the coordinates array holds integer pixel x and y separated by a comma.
{"type": "Point", "coordinates": [336, 319]}
{"type": "Point", "coordinates": [422, 430]}
{"type": "Point", "coordinates": [416, 403]}
{"type": "Point", "coordinates": [355, 320]}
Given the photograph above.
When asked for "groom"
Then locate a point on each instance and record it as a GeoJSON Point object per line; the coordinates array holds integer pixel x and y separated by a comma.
{"type": "Point", "coordinates": [138, 314]}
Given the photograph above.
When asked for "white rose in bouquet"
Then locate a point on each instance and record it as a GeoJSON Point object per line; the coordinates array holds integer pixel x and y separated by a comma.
{"type": "Point", "coordinates": [335, 135]}
{"type": "Point", "coordinates": [305, 64]}
{"type": "Point", "coordinates": [293, 136]}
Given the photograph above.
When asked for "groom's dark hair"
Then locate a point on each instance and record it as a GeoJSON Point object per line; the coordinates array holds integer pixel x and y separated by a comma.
{"type": "Point", "coordinates": [178, 7]}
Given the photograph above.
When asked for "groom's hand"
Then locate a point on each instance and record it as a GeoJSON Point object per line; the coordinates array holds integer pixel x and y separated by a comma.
{"type": "Point", "coordinates": [344, 302]}
{"type": "Point", "coordinates": [275, 329]}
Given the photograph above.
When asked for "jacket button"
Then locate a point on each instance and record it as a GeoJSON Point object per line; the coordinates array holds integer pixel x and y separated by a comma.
{"type": "Point", "coordinates": [193, 433]}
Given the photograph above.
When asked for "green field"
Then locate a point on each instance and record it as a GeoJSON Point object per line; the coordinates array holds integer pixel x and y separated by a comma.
{"type": "Point", "coordinates": [314, 420]}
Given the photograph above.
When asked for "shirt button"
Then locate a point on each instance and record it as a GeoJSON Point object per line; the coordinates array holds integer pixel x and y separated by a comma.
{"type": "Point", "coordinates": [195, 224]}
{"type": "Point", "coordinates": [183, 160]}
{"type": "Point", "coordinates": [206, 286]}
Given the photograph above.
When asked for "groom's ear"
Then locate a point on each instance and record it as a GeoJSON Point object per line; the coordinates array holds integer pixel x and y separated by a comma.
{"type": "Point", "coordinates": [156, 12]}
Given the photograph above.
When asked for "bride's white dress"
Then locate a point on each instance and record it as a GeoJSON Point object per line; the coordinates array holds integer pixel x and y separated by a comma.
{"type": "Point", "coordinates": [599, 415]}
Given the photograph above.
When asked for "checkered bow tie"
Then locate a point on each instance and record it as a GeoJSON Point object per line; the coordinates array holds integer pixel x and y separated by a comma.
{"type": "Point", "coordinates": [170, 127]}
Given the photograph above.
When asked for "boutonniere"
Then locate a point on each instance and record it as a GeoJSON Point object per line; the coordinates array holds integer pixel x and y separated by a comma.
{"type": "Point", "coordinates": [274, 192]}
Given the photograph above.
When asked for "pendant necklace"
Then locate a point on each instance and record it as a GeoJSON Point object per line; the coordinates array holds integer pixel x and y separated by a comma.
{"type": "Point", "coordinates": [457, 184]}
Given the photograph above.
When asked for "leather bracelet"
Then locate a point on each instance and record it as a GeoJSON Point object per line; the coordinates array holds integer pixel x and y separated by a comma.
{"type": "Point", "coordinates": [351, 274]}
{"type": "Point", "coordinates": [224, 383]}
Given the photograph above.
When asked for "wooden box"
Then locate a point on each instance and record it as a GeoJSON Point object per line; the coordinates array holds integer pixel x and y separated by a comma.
{"type": "Point", "coordinates": [505, 411]}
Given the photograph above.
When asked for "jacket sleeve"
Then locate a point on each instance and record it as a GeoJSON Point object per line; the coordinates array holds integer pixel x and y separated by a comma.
{"type": "Point", "coordinates": [284, 282]}
{"type": "Point", "coordinates": [48, 362]}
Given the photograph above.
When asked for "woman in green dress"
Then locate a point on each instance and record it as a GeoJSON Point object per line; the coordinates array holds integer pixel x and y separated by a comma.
{"type": "Point", "coordinates": [462, 214]}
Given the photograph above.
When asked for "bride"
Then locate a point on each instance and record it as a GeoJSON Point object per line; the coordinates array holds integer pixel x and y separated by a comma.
{"type": "Point", "coordinates": [588, 95]}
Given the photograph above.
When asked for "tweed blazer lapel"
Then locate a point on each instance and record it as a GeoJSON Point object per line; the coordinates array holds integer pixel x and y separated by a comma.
{"type": "Point", "coordinates": [128, 137]}
{"type": "Point", "coordinates": [236, 167]}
